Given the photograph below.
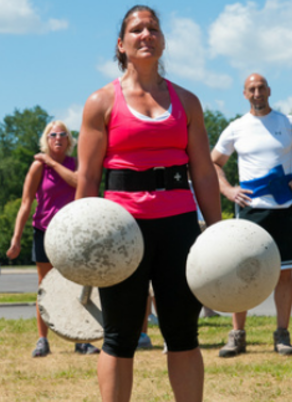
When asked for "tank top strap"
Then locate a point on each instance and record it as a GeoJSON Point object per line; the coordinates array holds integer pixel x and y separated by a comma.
{"type": "Point", "coordinates": [177, 107]}
{"type": "Point", "coordinates": [120, 106]}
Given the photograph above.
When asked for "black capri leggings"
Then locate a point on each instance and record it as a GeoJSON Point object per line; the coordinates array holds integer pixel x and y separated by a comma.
{"type": "Point", "coordinates": [167, 242]}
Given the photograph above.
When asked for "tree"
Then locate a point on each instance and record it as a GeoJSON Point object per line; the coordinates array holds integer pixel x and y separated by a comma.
{"type": "Point", "coordinates": [19, 141]}
{"type": "Point", "coordinates": [7, 221]}
{"type": "Point", "coordinates": [215, 123]}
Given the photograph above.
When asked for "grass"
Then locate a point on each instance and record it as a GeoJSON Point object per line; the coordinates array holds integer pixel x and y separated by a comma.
{"type": "Point", "coordinates": [18, 297]}
{"type": "Point", "coordinates": [18, 266]}
{"type": "Point", "coordinates": [260, 375]}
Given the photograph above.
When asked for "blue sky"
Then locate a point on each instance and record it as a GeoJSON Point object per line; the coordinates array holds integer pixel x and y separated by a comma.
{"type": "Point", "coordinates": [55, 53]}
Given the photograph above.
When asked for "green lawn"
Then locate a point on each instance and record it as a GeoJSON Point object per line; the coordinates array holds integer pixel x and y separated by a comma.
{"type": "Point", "coordinates": [260, 375]}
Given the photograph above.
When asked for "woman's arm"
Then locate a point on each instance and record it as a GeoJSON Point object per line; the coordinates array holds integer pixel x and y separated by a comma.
{"type": "Point", "coordinates": [30, 187]}
{"type": "Point", "coordinates": [92, 142]}
{"type": "Point", "coordinates": [201, 168]}
{"type": "Point", "coordinates": [68, 175]}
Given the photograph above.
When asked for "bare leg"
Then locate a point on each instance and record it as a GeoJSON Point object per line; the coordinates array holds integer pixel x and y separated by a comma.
{"type": "Point", "coordinates": [43, 268]}
{"type": "Point", "coordinates": [283, 298]}
{"type": "Point", "coordinates": [115, 377]}
{"type": "Point", "coordinates": [238, 320]}
{"type": "Point", "coordinates": [186, 374]}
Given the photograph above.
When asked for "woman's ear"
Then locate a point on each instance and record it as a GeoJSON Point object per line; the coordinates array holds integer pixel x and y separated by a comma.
{"type": "Point", "coordinates": [120, 46]}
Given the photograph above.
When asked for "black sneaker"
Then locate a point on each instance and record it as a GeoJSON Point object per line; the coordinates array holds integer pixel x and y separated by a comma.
{"type": "Point", "coordinates": [42, 348]}
{"type": "Point", "coordinates": [86, 348]}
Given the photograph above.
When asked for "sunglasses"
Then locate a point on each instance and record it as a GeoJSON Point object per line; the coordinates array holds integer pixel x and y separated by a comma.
{"type": "Point", "coordinates": [63, 134]}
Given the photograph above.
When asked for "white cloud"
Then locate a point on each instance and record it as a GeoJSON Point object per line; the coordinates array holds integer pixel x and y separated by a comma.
{"type": "Point", "coordinates": [285, 106]}
{"type": "Point", "coordinates": [252, 38]}
{"type": "Point", "coordinates": [19, 17]}
{"type": "Point", "coordinates": [72, 117]}
{"type": "Point", "coordinates": [220, 104]}
{"type": "Point", "coordinates": [186, 55]}
{"type": "Point", "coordinates": [109, 69]}
{"type": "Point", "coordinates": [56, 25]}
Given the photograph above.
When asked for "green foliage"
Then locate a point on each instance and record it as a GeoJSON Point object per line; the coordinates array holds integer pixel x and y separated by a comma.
{"type": "Point", "coordinates": [227, 215]}
{"type": "Point", "coordinates": [75, 135]}
{"type": "Point", "coordinates": [215, 123]}
{"type": "Point", "coordinates": [19, 141]}
{"type": "Point", "coordinates": [7, 221]}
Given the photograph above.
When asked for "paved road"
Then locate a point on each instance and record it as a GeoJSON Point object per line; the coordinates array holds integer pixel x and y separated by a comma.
{"type": "Point", "coordinates": [20, 281]}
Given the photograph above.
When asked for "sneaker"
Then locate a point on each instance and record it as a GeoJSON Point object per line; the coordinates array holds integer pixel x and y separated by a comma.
{"type": "Point", "coordinates": [236, 344]}
{"type": "Point", "coordinates": [282, 343]}
{"type": "Point", "coordinates": [86, 348]}
{"type": "Point", "coordinates": [144, 342]}
{"type": "Point", "coordinates": [42, 348]}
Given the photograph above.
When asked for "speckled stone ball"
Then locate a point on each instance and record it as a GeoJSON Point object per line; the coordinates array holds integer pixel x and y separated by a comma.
{"type": "Point", "coordinates": [94, 242]}
{"type": "Point", "coordinates": [233, 266]}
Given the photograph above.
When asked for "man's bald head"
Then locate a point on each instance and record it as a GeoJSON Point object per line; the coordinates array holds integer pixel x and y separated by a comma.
{"type": "Point", "coordinates": [257, 92]}
{"type": "Point", "coordinates": [255, 77]}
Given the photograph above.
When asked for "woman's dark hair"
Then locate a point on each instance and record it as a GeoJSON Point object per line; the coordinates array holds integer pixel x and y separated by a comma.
{"type": "Point", "coordinates": [121, 57]}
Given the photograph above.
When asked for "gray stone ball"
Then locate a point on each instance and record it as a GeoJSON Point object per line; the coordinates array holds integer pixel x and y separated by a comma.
{"type": "Point", "coordinates": [233, 266]}
{"type": "Point", "coordinates": [94, 242]}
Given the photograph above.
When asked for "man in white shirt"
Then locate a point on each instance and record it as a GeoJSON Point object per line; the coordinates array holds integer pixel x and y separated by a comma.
{"type": "Point", "coordinates": [262, 139]}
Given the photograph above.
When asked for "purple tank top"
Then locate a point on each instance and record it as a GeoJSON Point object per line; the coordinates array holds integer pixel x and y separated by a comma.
{"type": "Point", "coordinates": [52, 194]}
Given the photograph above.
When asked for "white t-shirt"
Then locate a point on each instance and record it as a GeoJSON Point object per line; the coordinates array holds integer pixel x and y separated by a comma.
{"type": "Point", "coordinates": [261, 144]}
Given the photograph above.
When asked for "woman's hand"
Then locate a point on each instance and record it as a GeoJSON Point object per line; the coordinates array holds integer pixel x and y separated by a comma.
{"type": "Point", "coordinates": [45, 158]}
{"type": "Point", "coordinates": [14, 249]}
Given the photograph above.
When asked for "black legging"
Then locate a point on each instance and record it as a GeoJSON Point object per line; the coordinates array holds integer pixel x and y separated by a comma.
{"type": "Point", "coordinates": [167, 242]}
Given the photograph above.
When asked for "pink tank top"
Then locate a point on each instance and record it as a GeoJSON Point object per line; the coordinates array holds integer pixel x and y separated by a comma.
{"type": "Point", "coordinates": [140, 145]}
{"type": "Point", "coordinates": [52, 194]}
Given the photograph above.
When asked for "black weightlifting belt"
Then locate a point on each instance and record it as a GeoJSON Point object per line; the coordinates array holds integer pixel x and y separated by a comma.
{"type": "Point", "coordinates": [155, 179]}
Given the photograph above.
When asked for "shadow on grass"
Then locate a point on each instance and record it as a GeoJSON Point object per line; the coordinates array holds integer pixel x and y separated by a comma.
{"type": "Point", "coordinates": [215, 324]}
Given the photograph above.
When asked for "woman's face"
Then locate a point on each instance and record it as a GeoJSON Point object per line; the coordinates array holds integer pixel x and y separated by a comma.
{"type": "Point", "coordinates": [58, 140]}
{"type": "Point", "coordinates": [143, 39]}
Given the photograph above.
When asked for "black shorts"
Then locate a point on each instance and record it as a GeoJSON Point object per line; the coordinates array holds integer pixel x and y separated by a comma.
{"type": "Point", "coordinates": [38, 249]}
{"type": "Point", "coordinates": [167, 242]}
{"type": "Point", "coordinates": [278, 223]}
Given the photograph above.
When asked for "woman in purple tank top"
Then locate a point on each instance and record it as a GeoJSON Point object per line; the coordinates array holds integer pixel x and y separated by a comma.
{"type": "Point", "coordinates": [52, 180]}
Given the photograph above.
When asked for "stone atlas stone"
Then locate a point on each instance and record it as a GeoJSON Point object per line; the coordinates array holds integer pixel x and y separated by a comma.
{"type": "Point", "coordinates": [233, 266]}
{"type": "Point", "coordinates": [61, 309]}
{"type": "Point", "coordinates": [94, 242]}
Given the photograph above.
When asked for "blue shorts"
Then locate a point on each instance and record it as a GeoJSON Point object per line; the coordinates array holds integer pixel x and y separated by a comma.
{"type": "Point", "coordinates": [167, 243]}
{"type": "Point", "coordinates": [38, 249]}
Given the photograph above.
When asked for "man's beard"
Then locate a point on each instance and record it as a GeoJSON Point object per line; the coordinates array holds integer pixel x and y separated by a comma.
{"type": "Point", "coordinates": [259, 106]}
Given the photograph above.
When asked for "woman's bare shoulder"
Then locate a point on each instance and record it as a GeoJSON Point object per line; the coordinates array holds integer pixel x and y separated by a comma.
{"type": "Point", "coordinates": [101, 99]}
{"type": "Point", "coordinates": [36, 167]}
{"type": "Point", "coordinates": [185, 95]}
{"type": "Point", "coordinates": [190, 102]}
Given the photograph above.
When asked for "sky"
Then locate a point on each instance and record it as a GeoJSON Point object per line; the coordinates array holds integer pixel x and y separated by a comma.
{"type": "Point", "coordinates": [55, 53]}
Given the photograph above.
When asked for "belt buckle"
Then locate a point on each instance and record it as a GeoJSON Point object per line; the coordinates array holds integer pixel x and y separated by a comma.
{"type": "Point", "coordinates": [160, 168]}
